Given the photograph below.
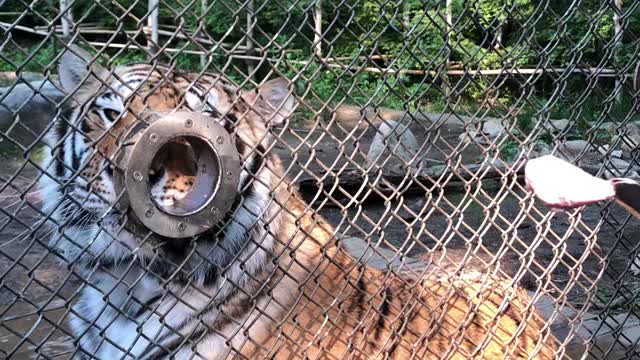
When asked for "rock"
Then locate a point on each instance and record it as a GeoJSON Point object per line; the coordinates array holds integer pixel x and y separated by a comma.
{"type": "Point", "coordinates": [592, 156]}
{"type": "Point", "coordinates": [618, 334]}
{"type": "Point", "coordinates": [556, 126]}
{"type": "Point", "coordinates": [619, 164]}
{"type": "Point", "coordinates": [629, 137]}
{"type": "Point", "coordinates": [570, 149]}
{"type": "Point", "coordinates": [635, 266]}
{"type": "Point", "coordinates": [25, 113]}
{"type": "Point", "coordinates": [619, 168]}
{"type": "Point", "coordinates": [355, 115]}
{"type": "Point", "coordinates": [605, 150]}
{"type": "Point", "coordinates": [608, 126]}
{"type": "Point", "coordinates": [548, 307]}
{"type": "Point", "coordinates": [395, 138]}
{"type": "Point", "coordinates": [483, 133]}
{"type": "Point", "coordinates": [9, 77]}
{"type": "Point", "coordinates": [541, 149]}
{"type": "Point", "coordinates": [576, 146]}
{"type": "Point", "coordinates": [577, 326]}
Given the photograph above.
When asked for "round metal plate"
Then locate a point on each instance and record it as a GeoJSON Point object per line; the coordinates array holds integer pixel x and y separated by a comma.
{"type": "Point", "coordinates": [217, 178]}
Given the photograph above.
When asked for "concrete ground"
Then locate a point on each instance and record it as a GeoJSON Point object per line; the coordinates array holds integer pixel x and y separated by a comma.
{"type": "Point", "coordinates": [581, 263]}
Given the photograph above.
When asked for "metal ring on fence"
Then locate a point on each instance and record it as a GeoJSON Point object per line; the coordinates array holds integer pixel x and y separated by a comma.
{"type": "Point", "coordinates": [188, 136]}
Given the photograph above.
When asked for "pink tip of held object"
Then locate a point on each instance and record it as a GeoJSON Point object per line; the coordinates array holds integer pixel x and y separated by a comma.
{"type": "Point", "coordinates": [560, 184]}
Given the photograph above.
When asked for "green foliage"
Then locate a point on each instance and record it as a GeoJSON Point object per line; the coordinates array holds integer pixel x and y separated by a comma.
{"type": "Point", "coordinates": [411, 34]}
{"type": "Point", "coordinates": [509, 149]}
{"type": "Point", "coordinates": [125, 57]}
{"type": "Point", "coordinates": [37, 58]}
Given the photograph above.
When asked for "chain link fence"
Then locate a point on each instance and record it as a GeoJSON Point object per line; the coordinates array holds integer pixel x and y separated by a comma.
{"type": "Point", "coordinates": [378, 209]}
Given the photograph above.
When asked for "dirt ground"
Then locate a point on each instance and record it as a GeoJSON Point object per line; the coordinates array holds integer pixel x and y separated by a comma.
{"type": "Point", "coordinates": [582, 259]}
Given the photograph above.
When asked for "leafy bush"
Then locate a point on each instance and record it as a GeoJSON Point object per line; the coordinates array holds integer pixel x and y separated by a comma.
{"type": "Point", "coordinates": [397, 35]}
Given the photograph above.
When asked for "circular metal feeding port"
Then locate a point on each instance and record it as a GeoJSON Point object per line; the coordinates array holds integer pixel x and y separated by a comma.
{"type": "Point", "coordinates": [184, 175]}
{"type": "Point", "coordinates": [181, 174]}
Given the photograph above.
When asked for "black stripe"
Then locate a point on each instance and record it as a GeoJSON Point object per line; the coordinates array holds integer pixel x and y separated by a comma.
{"type": "Point", "coordinates": [384, 312]}
{"type": "Point", "coordinates": [105, 262]}
{"type": "Point", "coordinates": [225, 88]}
{"type": "Point", "coordinates": [147, 305]}
{"type": "Point", "coordinates": [256, 162]}
{"type": "Point", "coordinates": [75, 160]}
{"type": "Point", "coordinates": [174, 248]}
{"type": "Point", "coordinates": [223, 320]}
{"type": "Point", "coordinates": [212, 111]}
{"type": "Point", "coordinates": [211, 275]}
{"type": "Point", "coordinates": [108, 168]}
{"type": "Point", "coordinates": [60, 131]}
{"type": "Point", "coordinates": [240, 146]}
{"type": "Point", "coordinates": [157, 350]}
{"type": "Point", "coordinates": [135, 77]}
{"type": "Point", "coordinates": [360, 296]}
{"type": "Point", "coordinates": [232, 118]}
{"type": "Point", "coordinates": [165, 270]}
{"type": "Point", "coordinates": [84, 125]}
{"type": "Point", "coordinates": [392, 349]}
{"type": "Point", "coordinates": [219, 230]}
{"type": "Point", "coordinates": [224, 252]}
{"type": "Point", "coordinates": [229, 122]}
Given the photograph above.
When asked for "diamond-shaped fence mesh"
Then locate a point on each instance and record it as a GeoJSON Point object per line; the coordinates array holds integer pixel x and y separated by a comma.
{"type": "Point", "coordinates": [314, 179]}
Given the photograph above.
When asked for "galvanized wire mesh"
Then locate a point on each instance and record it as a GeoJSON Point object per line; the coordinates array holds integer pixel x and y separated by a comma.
{"type": "Point", "coordinates": [413, 123]}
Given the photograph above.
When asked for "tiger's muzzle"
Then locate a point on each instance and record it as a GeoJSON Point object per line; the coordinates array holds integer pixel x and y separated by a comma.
{"type": "Point", "coordinates": [188, 143]}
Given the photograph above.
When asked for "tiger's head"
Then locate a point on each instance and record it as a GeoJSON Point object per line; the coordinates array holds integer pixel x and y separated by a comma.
{"type": "Point", "coordinates": [79, 163]}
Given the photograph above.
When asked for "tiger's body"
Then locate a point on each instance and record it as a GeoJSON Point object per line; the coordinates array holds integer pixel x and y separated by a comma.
{"type": "Point", "coordinates": [273, 282]}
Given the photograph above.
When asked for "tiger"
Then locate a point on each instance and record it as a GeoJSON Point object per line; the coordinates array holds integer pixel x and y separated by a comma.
{"type": "Point", "coordinates": [272, 280]}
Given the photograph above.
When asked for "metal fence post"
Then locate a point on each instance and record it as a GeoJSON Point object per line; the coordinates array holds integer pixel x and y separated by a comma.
{"type": "Point", "coordinates": [203, 6]}
{"type": "Point", "coordinates": [446, 87]}
{"type": "Point", "coordinates": [152, 23]}
{"type": "Point", "coordinates": [317, 36]}
{"type": "Point", "coordinates": [67, 17]}
{"type": "Point", "coordinates": [249, 36]}
{"type": "Point", "coordinates": [617, 39]}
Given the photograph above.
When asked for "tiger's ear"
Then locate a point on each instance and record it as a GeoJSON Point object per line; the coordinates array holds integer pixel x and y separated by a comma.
{"type": "Point", "coordinates": [79, 71]}
{"type": "Point", "coordinates": [273, 100]}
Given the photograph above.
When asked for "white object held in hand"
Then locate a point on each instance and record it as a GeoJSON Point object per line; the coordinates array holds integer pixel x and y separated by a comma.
{"type": "Point", "coordinates": [560, 184]}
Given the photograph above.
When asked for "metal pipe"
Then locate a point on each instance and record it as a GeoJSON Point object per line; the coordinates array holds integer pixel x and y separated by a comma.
{"type": "Point", "coordinates": [249, 35]}
{"type": "Point", "coordinates": [152, 22]}
{"type": "Point", "coordinates": [67, 17]}
{"type": "Point", "coordinates": [317, 36]}
{"type": "Point", "coordinates": [203, 9]}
